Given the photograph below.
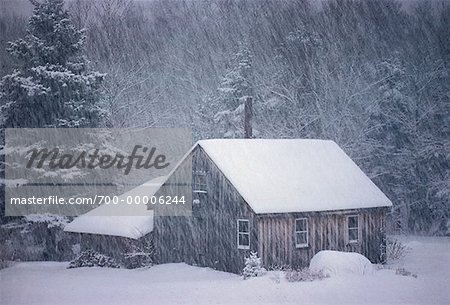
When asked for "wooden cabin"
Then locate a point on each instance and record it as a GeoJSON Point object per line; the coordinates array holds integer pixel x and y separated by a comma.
{"type": "Point", "coordinates": [285, 199]}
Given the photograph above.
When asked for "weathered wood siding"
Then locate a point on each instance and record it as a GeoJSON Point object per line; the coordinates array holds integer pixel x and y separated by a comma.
{"type": "Point", "coordinates": [209, 237]}
{"type": "Point", "coordinates": [326, 231]}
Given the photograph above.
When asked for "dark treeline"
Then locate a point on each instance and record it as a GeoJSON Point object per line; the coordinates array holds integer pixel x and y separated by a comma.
{"type": "Point", "coordinates": [370, 75]}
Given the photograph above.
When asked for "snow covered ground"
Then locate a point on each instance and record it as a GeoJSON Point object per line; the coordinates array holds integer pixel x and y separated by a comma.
{"type": "Point", "coordinates": [51, 283]}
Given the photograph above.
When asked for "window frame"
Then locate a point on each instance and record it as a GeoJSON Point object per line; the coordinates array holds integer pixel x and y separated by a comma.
{"type": "Point", "coordinates": [243, 247]}
{"type": "Point", "coordinates": [353, 241]}
{"type": "Point", "coordinates": [199, 187]}
{"type": "Point", "coordinates": [303, 245]}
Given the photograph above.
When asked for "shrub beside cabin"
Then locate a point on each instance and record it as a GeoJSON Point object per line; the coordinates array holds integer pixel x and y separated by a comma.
{"type": "Point", "coordinates": [285, 199]}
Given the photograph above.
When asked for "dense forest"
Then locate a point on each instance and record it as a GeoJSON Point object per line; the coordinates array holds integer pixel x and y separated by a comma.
{"type": "Point", "coordinates": [374, 76]}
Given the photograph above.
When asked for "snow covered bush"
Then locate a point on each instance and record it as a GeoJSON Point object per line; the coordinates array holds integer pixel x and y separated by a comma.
{"type": "Point", "coordinates": [395, 249]}
{"type": "Point", "coordinates": [279, 267]}
{"type": "Point", "coordinates": [304, 275]}
{"type": "Point", "coordinates": [253, 266]}
{"type": "Point", "coordinates": [404, 272]}
{"type": "Point", "coordinates": [139, 256]}
{"type": "Point", "coordinates": [333, 263]}
{"type": "Point", "coordinates": [137, 260]}
{"type": "Point", "coordinates": [91, 258]}
{"type": "Point", "coordinates": [129, 253]}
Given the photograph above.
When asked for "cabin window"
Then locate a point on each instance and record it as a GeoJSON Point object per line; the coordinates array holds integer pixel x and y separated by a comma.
{"type": "Point", "coordinates": [199, 185]}
{"type": "Point", "coordinates": [243, 234]}
{"type": "Point", "coordinates": [301, 232]}
{"type": "Point", "coordinates": [353, 228]}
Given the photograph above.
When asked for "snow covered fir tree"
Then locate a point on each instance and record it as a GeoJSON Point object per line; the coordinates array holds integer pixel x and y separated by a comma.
{"type": "Point", "coordinates": [235, 89]}
{"type": "Point", "coordinates": [405, 145]}
{"type": "Point", "coordinates": [52, 86]}
{"type": "Point", "coordinates": [253, 266]}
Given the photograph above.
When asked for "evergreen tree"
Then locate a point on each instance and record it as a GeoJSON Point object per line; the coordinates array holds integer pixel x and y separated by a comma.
{"type": "Point", "coordinates": [237, 81]}
{"type": "Point", "coordinates": [236, 85]}
{"type": "Point", "coordinates": [253, 266]}
{"type": "Point", "coordinates": [53, 86]}
{"type": "Point", "coordinates": [410, 151]}
{"type": "Point", "coordinates": [394, 141]}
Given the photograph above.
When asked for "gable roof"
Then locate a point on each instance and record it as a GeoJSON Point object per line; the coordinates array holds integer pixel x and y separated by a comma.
{"type": "Point", "coordinates": [293, 175]}
{"type": "Point", "coordinates": [122, 219]}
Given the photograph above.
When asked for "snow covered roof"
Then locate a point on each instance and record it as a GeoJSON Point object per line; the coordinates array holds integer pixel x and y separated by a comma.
{"type": "Point", "coordinates": [126, 220]}
{"type": "Point", "coordinates": [293, 175]}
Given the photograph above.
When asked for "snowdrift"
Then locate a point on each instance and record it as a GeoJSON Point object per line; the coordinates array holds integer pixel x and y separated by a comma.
{"type": "Point", "coordinates": [336, 263]}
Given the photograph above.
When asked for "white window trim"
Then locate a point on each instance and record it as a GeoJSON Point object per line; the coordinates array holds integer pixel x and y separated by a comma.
{"type": "Point", "coordinates": [304, 245]}
{"type": "Point", "coordinates": [352, 241]}
{"type": "Point", "coordinates": [248, 233]}
{"type": "Point", "coordinates": [199, 188]}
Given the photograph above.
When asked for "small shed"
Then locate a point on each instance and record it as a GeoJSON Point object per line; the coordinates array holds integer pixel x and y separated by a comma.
{"type": "Point", "coordinates": [118, 229]}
